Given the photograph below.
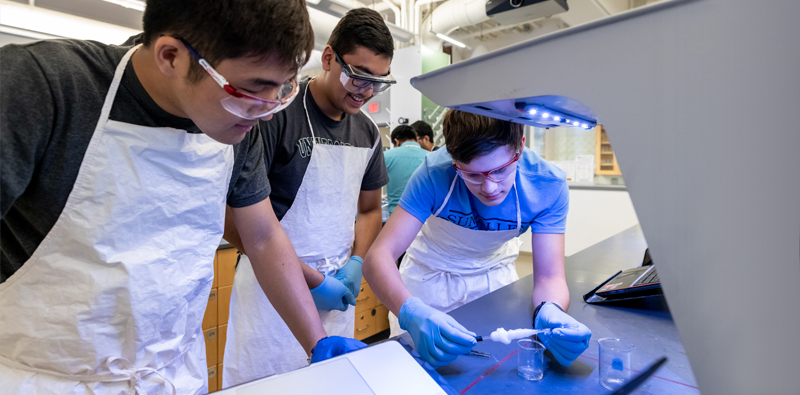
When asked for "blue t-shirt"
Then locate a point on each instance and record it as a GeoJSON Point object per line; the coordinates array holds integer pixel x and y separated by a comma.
{"type": "Point", "coordinates": [401, 162]}
{"type": "Point", "coordinates": [542, 188]}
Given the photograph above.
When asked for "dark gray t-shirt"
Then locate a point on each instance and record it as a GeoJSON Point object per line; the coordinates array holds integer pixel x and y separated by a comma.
{"type": "Point", "coordinates": [51, 94]}
{"type": "Point", "coordinates": [288, 147]}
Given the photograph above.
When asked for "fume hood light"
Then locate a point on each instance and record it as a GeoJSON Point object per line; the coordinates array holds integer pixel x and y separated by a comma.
{"type": "Point", "coordinates": [450, 40]}
{"type": "Point", "coordinates": [585, 126]}
{"type": "Point", "coordinates": [575, 123]}
{"type": "Point", "coordinates": [546, 115]}
{"type": "Point", "coordinates": [556, 118]}
{"type": "Point", "coordinates": [532, 112]}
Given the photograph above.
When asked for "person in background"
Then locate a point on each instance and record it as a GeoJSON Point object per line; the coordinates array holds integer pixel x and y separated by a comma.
{"type": "Point", "coordinates": [424, 135]}
{"type": "Point", "coordinates": [325, 162]}
{"type": "Point", "coordinates": [117, 164]}
{"type": "Point", "coordinates": [402, 161]}
{"type": "Point", "coordinates": [460, 219]}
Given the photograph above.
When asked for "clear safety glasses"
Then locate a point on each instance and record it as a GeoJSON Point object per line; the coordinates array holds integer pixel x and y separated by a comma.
{"type": "Point", "coordinates": [244, 105]}
{"type": "Point", "coordinates": [497, 175]}
{"type": "Point", "coordinates": [358, 81]}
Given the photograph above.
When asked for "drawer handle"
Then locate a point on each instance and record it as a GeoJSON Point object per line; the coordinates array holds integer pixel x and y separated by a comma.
{"type": "Point", "coordinates": [361, 330]}
{"type": "Point", "coordinates": [362, 300]}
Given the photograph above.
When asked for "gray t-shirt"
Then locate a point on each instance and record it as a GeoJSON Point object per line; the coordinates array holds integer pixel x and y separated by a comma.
{"type": "Point", "coordinates": [288, 147]}
{"type": "Point", "coordinates": [51, 94]}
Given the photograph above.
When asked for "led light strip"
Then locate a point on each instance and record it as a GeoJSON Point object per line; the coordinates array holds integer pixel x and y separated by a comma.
{"type": "Point", "coordinates": [550, 114]}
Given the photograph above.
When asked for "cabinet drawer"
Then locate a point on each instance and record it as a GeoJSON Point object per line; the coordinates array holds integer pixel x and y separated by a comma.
{"type": "Point", "coordinates": [226, 266]}
{"type": "Point", "coordinates": [366, 299]}
{"type": "Point", "coordinates": [210, 317]}
{"type": "Point", "coordinates": [222, 337]}
{"type": "Point", "coordinates": [365, 325]}
{"type": "Point", "coordinates": [381, 318]}
{"type": "Point", "coordinates": [213, 379]}
{"type": "Point", "coordinates": [224, 304]}
{"type": "Point", "coordinates": [211, 346]}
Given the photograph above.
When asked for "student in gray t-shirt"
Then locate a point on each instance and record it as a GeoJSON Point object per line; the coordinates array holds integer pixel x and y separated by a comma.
{"type": "Point", "coordinates": [117, 162]}
{"type": "Point", "coordinates": [325, 164]}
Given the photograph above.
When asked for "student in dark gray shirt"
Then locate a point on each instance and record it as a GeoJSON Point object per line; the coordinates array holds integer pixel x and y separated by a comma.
{"type": "Point", "coordinates": [117, 162]}
{"type": "Point", "coordinates": [325, 162]}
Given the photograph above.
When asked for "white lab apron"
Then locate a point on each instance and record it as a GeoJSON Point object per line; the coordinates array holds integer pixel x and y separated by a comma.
{"type": "Point", "coordinates": [112, 300]}
{"type": "Point", "coordinates": [447, 265]}
{"type": "Point", "coordinates": [321, 226]}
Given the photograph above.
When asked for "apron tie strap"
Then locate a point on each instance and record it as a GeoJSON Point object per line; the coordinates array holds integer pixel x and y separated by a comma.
{"type": "Point", "coordinates": [135, 376]}
{"type": "Point", "coordinates": [449, 276]}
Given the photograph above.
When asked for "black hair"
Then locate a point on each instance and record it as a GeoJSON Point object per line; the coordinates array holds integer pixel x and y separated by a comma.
{"type": "Point", "coordinates": [362, 27]}
{"type": "Point", "coordinates": [403, 133]}
{"type": "Point", "coordinates": [468, 136]}
{"type": "Point", "coordinates": [227, 29]}
{"type": "Point", "coordinates": [423, 129]}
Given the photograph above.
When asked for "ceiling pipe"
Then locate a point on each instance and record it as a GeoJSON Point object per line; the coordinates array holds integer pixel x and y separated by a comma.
{"type": "Point", "coordinates": [448, 17]}
{"type": "Point", "coordinates": [398, 16]}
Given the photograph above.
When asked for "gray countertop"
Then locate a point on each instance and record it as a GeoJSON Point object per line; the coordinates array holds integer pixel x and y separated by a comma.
{"type": "Point", "coordinates": [646, 323]}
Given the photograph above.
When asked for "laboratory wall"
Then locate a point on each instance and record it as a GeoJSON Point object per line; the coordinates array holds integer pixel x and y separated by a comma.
{"type": "Point", "coordinates": [594, 215]}
{"type": "Point", "coordinates": [13, 39]}
{"type": "Point", "coordinates": [406, 101]}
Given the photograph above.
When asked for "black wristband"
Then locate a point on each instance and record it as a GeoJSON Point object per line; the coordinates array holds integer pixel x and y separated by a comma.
{"type": "Point", "coordinates": [539, 307]}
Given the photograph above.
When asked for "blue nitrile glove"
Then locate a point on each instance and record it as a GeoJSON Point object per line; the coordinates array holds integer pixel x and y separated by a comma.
{"type": "Point", "coordinates": [568, 338]}
{"type": "Point", "coordinates": [350, 274]}
{"type": "Point", "coordinates": [333, 346]}
{"type": "Point", "coordinates": [332, 295]}
{"type": "Point", "coordinates": [438, 338]}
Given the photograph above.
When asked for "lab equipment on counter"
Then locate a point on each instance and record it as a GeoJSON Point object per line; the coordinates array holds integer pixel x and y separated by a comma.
{"type": "Point", "coordinates": [530, 359]}
{"type": "Point", "coordinates": [506, 337]}
{"type": "Point", "coordinates": [615, 361]}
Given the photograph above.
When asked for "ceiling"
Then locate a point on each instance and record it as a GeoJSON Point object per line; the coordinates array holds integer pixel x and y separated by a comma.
{"type": "Point", "coordinates": [581, 11]}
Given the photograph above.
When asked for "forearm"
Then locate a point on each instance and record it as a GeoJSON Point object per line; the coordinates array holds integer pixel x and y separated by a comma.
{"type": "Point", "coordinates": [551, 290]}
{"type": "Point", "coordinates": [313, 278]}
{"type": "Point", "coordinates": [549, 278]}
{"type": "Point", "coordinates": [368, 225]}
{"type": "Point", "coordinates": [280, 275]}
{"type": "Point", "coordinates": [231, 234]}
{"type": "Point", "coordinates": [383, 277]}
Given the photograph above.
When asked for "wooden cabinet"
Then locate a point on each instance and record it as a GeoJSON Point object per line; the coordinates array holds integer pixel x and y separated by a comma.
{"type": "Point", "coordinates": [605, 160]}
{"type": "Point", "coordinates": [216, 316]}
{"type": "Point", "coordinates": [371, 316]}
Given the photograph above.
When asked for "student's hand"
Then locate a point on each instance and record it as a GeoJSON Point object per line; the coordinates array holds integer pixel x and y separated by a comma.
{"type": "Point", "coordinates": [350, 274]}
{"type": "Point", "coordinates": [332, 295]}
{"type": "Point", "coordinates": [333, 346]}
{"type": "Point", "coordinates": [438, 338]}
{"type": "Point", "coordinates": [568, 339]}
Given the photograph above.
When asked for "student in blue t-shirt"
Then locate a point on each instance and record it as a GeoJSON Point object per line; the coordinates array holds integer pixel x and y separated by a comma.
{"type": "Point", "coordinates": [459, 221]}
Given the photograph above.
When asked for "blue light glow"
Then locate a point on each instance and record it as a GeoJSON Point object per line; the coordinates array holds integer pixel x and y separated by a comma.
{"type": "Point", "coordinates": [556, 118]}
{"type": "Point", "coordinates": [532, 112]}
{"type": "Point", "coordinates": [546, 115]}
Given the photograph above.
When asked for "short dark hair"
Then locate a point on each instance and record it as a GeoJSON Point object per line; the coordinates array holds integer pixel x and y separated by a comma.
{"type": "Point", "coordinates": [403, 133]}
{"type": "Point", "coordinates": [423, 129]}
{"type": "Point", "coordinates": [227, 29]}
{"type": "Point", "coordinates": [362, 27]}
{"type": "Point", "coordinates": [468, 136]}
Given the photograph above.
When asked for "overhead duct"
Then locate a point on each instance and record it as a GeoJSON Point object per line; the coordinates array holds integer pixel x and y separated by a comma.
{"type": "Point", "coordinates": [459, 13]}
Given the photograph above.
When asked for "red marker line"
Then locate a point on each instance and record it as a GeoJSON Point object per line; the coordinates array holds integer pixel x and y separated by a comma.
{"type": "Point", "coordinates": [488, 372]}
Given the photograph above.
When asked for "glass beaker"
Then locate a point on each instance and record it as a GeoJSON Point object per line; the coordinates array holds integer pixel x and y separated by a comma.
{"type": "Point", "coordinates": [530, 357]}
{"type": "Point", "coordinates": [615, 360]}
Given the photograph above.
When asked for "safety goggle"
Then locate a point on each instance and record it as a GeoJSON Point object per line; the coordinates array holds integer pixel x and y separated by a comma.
{"type": "Point", "coordinates": [241, 104]}
{"type": "Point", "coordinates": [497, 175]}
{"type": "Point", "coordinates": [358, 81]}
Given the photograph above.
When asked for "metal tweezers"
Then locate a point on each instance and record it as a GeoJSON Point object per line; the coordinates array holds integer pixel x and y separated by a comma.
{"type": "Point", "coordinates": [480, 354]}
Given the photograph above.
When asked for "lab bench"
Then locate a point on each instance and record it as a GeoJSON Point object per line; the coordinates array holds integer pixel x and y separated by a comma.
{"type": "Point", "coordinates": [645, 323]}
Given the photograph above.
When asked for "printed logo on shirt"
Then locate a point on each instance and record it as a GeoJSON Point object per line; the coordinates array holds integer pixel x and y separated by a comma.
{"type": "Point", "coordinates": [473, 220]}
{"type": "Point", "coordinates": [305, 146]}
